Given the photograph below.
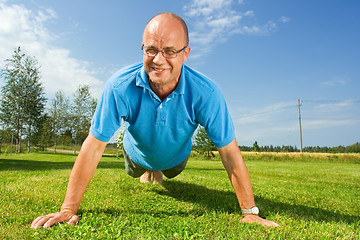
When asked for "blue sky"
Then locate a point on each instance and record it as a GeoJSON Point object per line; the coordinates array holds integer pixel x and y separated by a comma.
{"type": "Point", "coordinates": [264, 55]}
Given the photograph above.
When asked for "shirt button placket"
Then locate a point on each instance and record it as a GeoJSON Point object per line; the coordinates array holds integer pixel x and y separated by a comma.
{"type": "Point", "coordinates": [160, 115]}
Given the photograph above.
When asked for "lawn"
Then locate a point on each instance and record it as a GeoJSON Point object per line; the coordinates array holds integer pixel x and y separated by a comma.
{"type": "Point", "coordinates": [309, 199]}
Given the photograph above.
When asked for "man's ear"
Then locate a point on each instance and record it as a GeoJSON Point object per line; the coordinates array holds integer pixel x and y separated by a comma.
{"type": "Point", "coordinates": [186, 53]}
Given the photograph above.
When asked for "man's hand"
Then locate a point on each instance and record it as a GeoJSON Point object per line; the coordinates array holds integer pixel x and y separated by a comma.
{"type": "Point", "coordinates": [48, 220]}
{"type": "Point", "coordinates": [249, 218]}
{"type": "Point", "coordinates": [81, 174]}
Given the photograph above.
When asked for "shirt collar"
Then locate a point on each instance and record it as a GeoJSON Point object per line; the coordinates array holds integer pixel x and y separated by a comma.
{"type": "Point", "coordinates": [143, 81]}
{"type": "Point", "coordinates": [180, 89]}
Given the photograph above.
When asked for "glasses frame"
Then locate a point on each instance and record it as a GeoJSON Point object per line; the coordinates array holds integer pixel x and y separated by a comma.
{"type": "Point", "coordinates": [143, 48]}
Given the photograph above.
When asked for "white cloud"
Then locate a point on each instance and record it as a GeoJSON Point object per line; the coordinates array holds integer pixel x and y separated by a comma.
{"type": "Point", "coordinates": [249, 13]}
{"type": "Point", "coordinates": [206, 7]}
{"type": "Point", "coordinates": [284, 19]}
{"type": "Point", "coordinates": [215, 21]}
{"type": "Point", "coordinates": [267, 122]}
{"type": "Point", "coordinates": [251, 115]}
{"type": "Point", "coordinates": [328, 123]}
{"type": "Point", "coordinates": [335, 105]}
{"type": "Point", "coordinates": [335, 82]}
{"type": "Point", "coordinates": [59, 71]}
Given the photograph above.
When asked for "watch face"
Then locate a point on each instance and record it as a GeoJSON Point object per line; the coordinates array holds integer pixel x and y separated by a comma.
{"type": "Point", "coordinates": [255, 210]}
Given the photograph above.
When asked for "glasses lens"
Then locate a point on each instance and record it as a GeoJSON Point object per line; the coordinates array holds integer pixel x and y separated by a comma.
{"type": "Point", "coordinates": [151, 52]}
{"type": "Point", "coordinates": [170, 53]}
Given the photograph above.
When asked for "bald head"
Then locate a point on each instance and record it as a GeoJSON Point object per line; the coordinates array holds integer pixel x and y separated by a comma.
{"type": "Point", "coordinates": [167, 17]}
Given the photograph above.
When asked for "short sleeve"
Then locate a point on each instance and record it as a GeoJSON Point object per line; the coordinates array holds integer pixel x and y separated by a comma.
{"type": "Point", "coordinates": [107, 117]}
{"type": "Point", "coordinates": [215, 118]}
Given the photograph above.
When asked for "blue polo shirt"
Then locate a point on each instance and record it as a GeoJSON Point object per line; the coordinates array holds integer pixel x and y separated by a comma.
{"type": "Point", "coordinates": [158, 133]}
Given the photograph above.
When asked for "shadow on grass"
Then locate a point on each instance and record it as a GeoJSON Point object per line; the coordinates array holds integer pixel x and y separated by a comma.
{"type": "Point", "coordinates": [116, 211]}
{"type": "Point", "coordinates": [205, 169]}
{"type": "Point", "coordinates": [223, 201]}
{"type": "Point", "coordinates": [31, 165]}
{"type": "Point", "coordinates": [226, 201]}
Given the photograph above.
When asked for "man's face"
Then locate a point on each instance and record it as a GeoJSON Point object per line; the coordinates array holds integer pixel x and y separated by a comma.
{"type": "Point", "coordinates": [162, 33]}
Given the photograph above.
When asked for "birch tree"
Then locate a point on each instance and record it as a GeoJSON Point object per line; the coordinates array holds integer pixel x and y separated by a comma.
{"type": "Point", "coordinates": [59, 112]}
{"type": "Point", "coordinates": [82, 110]}
{"type": "Point", "coordinates": [22, 103]}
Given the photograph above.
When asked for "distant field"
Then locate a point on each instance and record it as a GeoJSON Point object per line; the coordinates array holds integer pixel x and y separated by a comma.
{"type": "Point", "coordinates": [317, 198]}
{"type": "Point", "coordinates": [303, 157]}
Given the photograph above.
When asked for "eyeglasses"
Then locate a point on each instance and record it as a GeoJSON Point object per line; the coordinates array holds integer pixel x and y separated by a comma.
{"type": "Point", "coordinates": [167, 53]}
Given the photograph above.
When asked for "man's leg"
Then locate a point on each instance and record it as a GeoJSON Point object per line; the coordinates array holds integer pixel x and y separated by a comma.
{"type": "Point", "coordinates": [173, 172]}
{"type": "Point", "coordinates": [132, 168]}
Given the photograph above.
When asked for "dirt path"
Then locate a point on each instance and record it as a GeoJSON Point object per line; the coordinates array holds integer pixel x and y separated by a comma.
{"type": "Point", "coordinates": [72, 151]}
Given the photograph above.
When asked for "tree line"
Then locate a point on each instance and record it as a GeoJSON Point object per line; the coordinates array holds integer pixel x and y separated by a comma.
{"type": "Point", "coordinates": [354, 148]}
{"type": "Point", "coordinates": [27, 116]}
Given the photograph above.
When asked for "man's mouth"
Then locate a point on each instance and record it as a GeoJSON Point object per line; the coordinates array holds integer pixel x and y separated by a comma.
{"type": "Point", "coordinates": [158, 70]}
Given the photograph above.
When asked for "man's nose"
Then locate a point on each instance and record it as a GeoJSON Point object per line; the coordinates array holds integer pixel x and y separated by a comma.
{"type": "Point", "coordinates": [159, 58]}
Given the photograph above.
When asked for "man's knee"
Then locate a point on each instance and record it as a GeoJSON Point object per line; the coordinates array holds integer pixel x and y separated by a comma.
{"type": "Point", "coordinates": [131, 168]}
{"type": "Point", "coordinates": [173, 172]}
{"type": "Point", "coordinates": [134, 174]}
{"type": "Point", "coordinates": [170, 174]}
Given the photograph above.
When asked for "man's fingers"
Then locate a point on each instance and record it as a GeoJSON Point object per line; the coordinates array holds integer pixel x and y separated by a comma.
{"type": "Point", "coordinates": [259, 220]}
{"type": "Point", "coordinates": [33, 224]}
{"type": "Point", "coordinates": [54, 220]}
{"type": "Point", "coordinates": [38, 222]}
{"type": "Point", "coordinates": [51, 219]}
{"type": "Point", "coordinates": [269, 223]}
{"type": "Point", "coordinates": [74, 220]}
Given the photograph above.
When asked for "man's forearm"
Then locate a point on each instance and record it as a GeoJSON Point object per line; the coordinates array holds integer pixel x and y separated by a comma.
{"type": "Point", "coordinates": [82, 173]}
{"type": "Point", "coordinates": [240, 179]}
{"type": "Point", "coordinates": [238, 174]}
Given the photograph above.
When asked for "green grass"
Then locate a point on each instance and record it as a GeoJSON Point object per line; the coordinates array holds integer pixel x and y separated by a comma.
{"type": "Point", "coordinates": [310, 200]}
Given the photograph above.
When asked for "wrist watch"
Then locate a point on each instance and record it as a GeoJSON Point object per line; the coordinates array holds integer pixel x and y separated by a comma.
{"type": "Point", "coordinates": [254, 210]}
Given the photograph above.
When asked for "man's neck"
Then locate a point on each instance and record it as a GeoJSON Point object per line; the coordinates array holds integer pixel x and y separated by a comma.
{"type": "Point", "coordinates": [162, 91]}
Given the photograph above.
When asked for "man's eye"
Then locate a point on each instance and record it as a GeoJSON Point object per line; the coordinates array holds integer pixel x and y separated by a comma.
{"type": "Point", "coordinates": [151, 51]}
{"type": "Point", "coordinates": [170, 52]}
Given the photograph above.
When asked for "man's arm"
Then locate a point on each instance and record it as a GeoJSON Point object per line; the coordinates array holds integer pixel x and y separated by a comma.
{"type": "Point", "coordinates": [81, 175]}
{"type": "Point", "coordinates": [240, 179]}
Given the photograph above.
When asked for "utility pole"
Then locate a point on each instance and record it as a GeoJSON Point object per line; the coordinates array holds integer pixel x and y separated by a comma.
{"type": "Point", "coordinates": [300, 125]}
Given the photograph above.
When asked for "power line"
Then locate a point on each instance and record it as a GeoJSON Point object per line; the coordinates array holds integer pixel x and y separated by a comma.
{"type": "Point", "coordinates": [293, 106]}
{"type": "Point", "coordinates": [264, 112]}
{"type": "Point", "coordinates": [331, 101]}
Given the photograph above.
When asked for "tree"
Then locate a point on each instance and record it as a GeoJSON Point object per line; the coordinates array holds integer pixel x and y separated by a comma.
{"type": "Point", "coordinates": [82, 111]}
{"type": "Point", "coordinates": [355, 148]}
{"type": "Point", "coordinates": [204, 143]}
{"type": "Point", "coordinates": [45, 132]}
{"type": "Point", "coordinates": [23, 102]}
{"type": "Point", "coordinates": [59, 112]}
{"type": "Point", "coordinates": [256, 147]}
{"type": "Point", "coordinates": [5, 139]}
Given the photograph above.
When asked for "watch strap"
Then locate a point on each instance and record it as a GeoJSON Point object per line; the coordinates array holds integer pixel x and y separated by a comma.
{"type": "Point", "coordinates": [254, 210]}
